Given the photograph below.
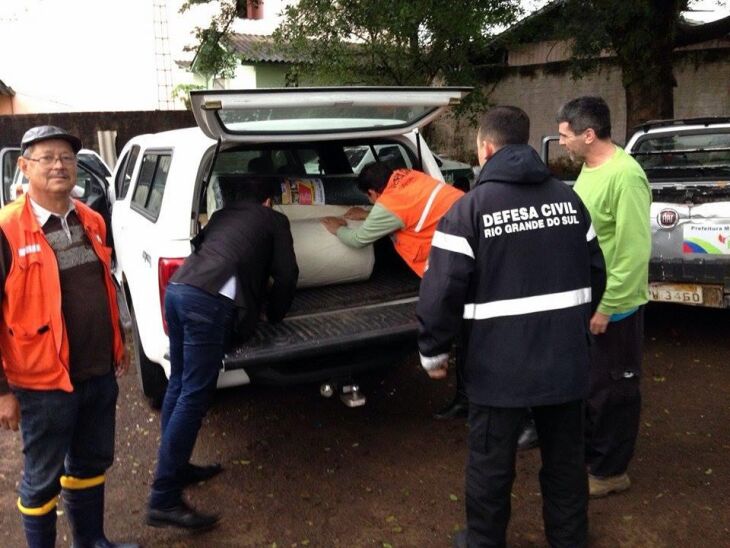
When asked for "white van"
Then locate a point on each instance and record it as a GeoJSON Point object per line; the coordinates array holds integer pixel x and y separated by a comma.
{"type": "Point", "coordinates": [354, 309]}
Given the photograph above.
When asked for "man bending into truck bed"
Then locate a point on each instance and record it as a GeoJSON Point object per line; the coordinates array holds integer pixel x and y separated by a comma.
{"type": "Point", "coordinates": [407, 206]}
{"type": "Point", "coordinates": [222, 289]}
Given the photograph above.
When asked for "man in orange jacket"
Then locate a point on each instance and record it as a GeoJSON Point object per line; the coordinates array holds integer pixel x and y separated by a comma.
{"type": "Point", "coordinates": [407, 205]}
{"type": "Point", "coordinates": [61, 343]}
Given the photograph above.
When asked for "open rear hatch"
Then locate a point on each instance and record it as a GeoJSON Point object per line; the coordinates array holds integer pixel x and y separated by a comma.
{"type": "Point", "coordinates": [300, 114]}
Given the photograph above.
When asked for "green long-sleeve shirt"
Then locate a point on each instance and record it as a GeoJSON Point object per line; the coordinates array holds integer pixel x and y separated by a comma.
{"type": "Point", "coordinates": [379, 222]}
{"type": "Point", "coordinates": [618, 197]}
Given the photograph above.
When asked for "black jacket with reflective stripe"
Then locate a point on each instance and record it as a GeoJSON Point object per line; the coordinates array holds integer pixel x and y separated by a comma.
{"type": "Point", "coordinates": [517, 260]}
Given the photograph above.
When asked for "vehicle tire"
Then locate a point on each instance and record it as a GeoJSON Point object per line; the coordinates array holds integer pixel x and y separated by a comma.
{"type": "Point", "coordinates": [151, 376]}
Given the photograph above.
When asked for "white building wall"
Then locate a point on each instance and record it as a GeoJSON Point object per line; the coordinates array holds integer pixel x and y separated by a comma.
{"type": "Point", "coordinates": [245, 78]}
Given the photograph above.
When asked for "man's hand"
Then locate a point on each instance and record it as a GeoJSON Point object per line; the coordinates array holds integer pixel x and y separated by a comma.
{"type": "Point", "coordinates": [333, 223]}
{"type": "Point", "coordinates": [440, 372]}
{"type": "Point", "coordinates": [356, 214]}
{"type": "Point", "coordinates": [599, 323]}
{"type": "Point", "coordinates": [121, 367]}
{"type": "Point", "coordinates": [9, 412]}
{"type": "Point", "coordinates": [436, 366]}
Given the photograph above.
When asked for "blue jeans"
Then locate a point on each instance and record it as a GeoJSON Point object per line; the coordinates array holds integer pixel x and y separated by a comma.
{"type": "Point", "coordinates": [68, 433]}
{"type": "Point", "coordinates": [198, 325]}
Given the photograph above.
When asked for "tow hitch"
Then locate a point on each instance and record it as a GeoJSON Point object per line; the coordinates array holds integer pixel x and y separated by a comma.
{"type": "Point", "coordinates": [350, 393]}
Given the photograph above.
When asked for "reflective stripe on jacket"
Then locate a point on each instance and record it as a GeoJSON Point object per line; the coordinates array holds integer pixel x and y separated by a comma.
{"type": "Point", "coordinates": [419, 201]}
{"type": "Point", "coordinates": [33, 339]}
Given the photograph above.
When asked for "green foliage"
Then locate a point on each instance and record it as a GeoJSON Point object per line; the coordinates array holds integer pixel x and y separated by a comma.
{"type": "Point", "coordinates": [643, 35]}
{"type": "Point", "coordinates": [637, 32]}
{"type": "Point", "coordinates": [212, 59]}
{"type": "Point", "coordinates": [392, 42]}
{"type": "Point", "coordinates": [182, 92]}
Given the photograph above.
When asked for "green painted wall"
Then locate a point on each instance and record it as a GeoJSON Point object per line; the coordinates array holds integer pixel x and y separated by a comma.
{"type": "Point", "coordinates": [273, 75]}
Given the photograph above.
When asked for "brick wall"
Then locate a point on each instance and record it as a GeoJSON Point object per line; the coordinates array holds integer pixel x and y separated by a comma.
{"type": "Point", "coordinates": [702, 90]}
{"type": "Point", "coordinates": [127, 124]}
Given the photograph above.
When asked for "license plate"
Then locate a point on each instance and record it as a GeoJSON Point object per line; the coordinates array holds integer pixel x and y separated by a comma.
{"type": "Point", "coordinates": [676, 293]}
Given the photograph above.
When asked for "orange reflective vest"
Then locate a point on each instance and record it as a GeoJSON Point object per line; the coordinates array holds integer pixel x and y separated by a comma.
{"type": "Point", "coordinates": [33, 340]}
{"type": "Point", "coordinates": [419, 201]}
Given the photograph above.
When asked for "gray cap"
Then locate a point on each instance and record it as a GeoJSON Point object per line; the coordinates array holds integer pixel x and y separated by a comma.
{"type": "Point", "coordinates": [44, 133]}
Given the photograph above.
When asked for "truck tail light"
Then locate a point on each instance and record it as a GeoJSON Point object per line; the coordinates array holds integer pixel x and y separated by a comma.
{"type": "Point", "coordinates": [165, 269]}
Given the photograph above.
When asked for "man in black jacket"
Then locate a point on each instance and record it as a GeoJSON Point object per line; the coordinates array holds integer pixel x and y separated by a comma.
{"type": "Point", "coordinates": [517, 259]}
{"type": "Point", "coordinates": [223, 288]}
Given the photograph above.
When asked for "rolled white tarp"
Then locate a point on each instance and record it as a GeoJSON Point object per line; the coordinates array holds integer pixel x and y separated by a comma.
{"type": "Point", "coordinates": [297, 212]}
{"type": "Point", "coordinates": [323, 259]}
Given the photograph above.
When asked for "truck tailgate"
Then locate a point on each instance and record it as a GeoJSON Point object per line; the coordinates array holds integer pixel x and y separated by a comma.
{"type": "Point", "coordinates": [690, 260]}
{"type": "Point", "coordinates": [311, 336]}
{"type": "Point", "coordinates": [337, 318]}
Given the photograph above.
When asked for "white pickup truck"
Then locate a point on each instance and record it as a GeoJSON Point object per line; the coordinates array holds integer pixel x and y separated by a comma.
{"type": "Point", "coordinates": [312, 142]}
{"type": "Point", "coordinates": [688, 165]}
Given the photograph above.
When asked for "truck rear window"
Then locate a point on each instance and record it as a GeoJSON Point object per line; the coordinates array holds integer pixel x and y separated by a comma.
{"type": "Point", "coordinates": [682, 155]}
{"type": "Point", "coordinates": [312, 159]}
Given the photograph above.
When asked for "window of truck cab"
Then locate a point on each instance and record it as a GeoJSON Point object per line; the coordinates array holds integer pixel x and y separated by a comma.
{"type": "Point", "coordinates": [124, 175]}
{"type": "Point", "coordinates": [325, 158]}
{"type": "Point", "coordinates": [700, 154]}
{"type": "Point", "coordinates": [151, 181]}
{"type": "Point", "coordinates": [336, 162]}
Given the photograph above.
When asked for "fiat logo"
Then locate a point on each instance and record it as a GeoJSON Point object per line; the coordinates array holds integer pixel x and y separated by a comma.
{"type": "Point", "coordinates": [667, 218]}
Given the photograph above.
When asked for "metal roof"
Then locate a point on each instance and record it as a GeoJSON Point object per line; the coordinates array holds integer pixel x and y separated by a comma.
{"type": "Point", "coordinates": [257, 48]}
{"type": "Point", "coordinates": [685, 16]}
{"type": "Point", "coordinates": [547, 8]}
{"type": "Point", "coordinates": [6, 90]}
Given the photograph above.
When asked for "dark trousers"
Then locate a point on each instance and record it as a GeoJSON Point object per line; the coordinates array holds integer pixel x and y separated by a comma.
{"type": "Point", "coordinates": [490, 472]}
{"type": "Point", "coordinates": [614, 403]}
{"type": "Point", "coordinates": [460, 358]}
{"type": "Point", "coordinates": [198, 325]}
{"type": "Point", "coordinates": [69, 433]}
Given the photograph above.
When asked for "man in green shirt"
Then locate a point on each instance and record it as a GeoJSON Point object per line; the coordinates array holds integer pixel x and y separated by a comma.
{"type": "Point", "coordinates": [616, 192]}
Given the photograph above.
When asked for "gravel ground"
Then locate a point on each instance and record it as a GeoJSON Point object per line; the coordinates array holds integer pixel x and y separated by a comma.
{"type": "Point", "coordinates": [304, 471]}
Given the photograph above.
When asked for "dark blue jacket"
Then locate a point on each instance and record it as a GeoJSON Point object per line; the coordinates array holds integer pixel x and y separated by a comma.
{"type": "Point", "coordinates": [518, 261]}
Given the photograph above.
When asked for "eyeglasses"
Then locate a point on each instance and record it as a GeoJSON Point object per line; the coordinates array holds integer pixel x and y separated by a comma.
{"type": "Point", "coordinates": [50, 161]}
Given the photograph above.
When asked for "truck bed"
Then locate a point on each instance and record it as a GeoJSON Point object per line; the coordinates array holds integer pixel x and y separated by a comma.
{"type": "Point", "coordinates": [325, 321]}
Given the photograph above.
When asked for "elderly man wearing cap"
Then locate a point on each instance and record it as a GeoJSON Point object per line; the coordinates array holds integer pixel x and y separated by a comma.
{"type": "Point", "coordinates": [60, 343]}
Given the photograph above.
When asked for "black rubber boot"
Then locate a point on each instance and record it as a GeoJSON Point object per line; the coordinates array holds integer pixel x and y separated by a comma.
{"type": "Point", "coordinates": [459, 407]}
{"type": "Point", "coordinates": [85, 509]}
{"type": "Point", "coordinates": [40, 531]}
